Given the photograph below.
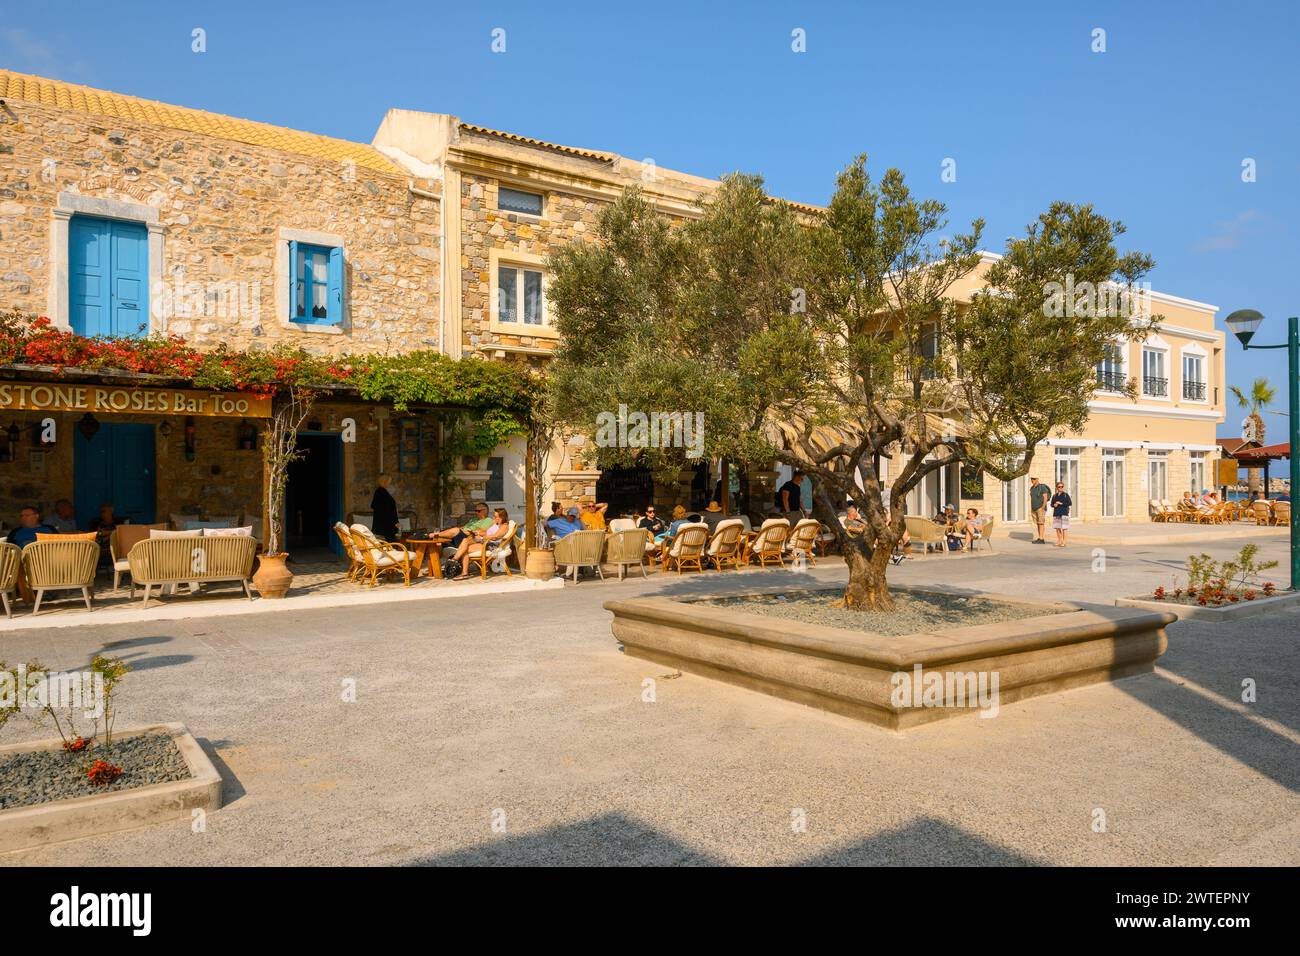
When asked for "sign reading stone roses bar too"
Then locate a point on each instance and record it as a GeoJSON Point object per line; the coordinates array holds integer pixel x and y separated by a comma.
{"type": "Point", "coordinates": [130, 400]}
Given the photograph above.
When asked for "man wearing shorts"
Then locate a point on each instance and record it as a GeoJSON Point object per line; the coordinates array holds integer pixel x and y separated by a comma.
{"type": "Point", "coordinates": [1038, 494]}
{"type": "Point", "coordinates": [1061, 513]}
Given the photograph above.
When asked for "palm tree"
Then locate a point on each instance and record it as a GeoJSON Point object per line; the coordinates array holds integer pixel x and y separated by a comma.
{"type": "Point", "coordinates": [1261, 393]}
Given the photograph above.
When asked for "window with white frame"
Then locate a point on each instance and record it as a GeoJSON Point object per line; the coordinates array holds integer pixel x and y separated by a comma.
{"type": "Point", "coordinates": [1155, 372]}
{"type": "Point", "coordinates": [1112, 483]}
{"type": "Point", "coordinates": [1158, 475]}
{"type": "Point", "coordinates": [1110, 370]}
{"type": "Point", "coordinates": [1196, 472]}
{"type": "Point", "coordinates": [1015, 496]}
{"type": "Point", "coordinates": [519, 295]}
{"type": "Point", "coordinates": [1067, 473]}
{"type": "Point", "coordinates": [1194, 387]}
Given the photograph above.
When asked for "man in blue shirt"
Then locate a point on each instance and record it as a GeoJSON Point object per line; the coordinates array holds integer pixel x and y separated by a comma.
{"type": "Point", "coordinates": [562, 525]}
{"type": "Point", "coordinates": [29, 527]}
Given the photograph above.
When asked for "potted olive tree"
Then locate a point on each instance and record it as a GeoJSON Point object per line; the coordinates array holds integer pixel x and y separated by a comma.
{"type": "Point", "coordinates": [280, 449]}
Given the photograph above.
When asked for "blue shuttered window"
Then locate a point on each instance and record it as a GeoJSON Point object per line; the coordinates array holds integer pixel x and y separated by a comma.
{"type": "Point", "coordinates": [315, 284]}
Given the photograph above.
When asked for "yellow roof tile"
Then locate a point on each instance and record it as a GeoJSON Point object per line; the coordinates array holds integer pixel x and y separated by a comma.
{"type": "Point", "coordinates": [539, 143]}
{"type": "Point", "coordinates": [70, 96]}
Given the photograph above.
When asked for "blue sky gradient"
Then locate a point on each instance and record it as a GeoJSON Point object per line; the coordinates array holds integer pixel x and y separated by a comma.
{"type": "Point", "coordinates": [1153, 131]}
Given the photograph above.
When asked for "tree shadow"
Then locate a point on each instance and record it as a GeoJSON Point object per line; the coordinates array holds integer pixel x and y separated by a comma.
{"type": "Point", "coordinates": [614, 839]}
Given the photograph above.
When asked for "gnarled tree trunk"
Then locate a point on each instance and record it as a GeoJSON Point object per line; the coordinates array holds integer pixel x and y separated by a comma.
{"type": "Point", "coordinates": [867, 589]}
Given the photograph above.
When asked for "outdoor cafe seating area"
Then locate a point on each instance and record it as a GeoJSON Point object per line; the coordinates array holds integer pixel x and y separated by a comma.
{"type": "Point", "coordinates": [1264, 511]}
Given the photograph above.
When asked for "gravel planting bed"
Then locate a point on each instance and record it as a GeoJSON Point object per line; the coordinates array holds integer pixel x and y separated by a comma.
{"type": "Point", "coordinates": [912, 612]}
{"type": "Point", "coordinates": [43, 776]}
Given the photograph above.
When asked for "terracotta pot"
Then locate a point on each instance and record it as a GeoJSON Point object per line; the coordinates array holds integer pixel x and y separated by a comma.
{"type": "Point", "coordinates": [539, 564]}
{"type": "Point", "coordinates": [273, 577]}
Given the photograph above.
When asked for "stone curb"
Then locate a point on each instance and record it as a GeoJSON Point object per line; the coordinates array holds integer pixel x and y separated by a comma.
{"type": "Point", "coordinates": [23, 828]}
{"type": "Point", "coordinates": [1193, 612]}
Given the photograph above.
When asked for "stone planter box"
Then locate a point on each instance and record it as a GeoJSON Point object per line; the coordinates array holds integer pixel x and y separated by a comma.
{"type": "Point", "coordinates": [25, 827]}
{"type": "Point", "coordinates": [1225, 612]}
{"type": "Point", "coordinates": [859, 674]}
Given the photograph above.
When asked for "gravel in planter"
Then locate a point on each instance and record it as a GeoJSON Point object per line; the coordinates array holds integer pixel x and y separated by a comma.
{"type": "Point", "coordinates": [912, 612]}
{"type": "Point", "coordinates": [42, 776]}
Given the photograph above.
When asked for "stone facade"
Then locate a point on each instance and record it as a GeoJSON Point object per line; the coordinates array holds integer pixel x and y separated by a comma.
{"type": "Point", "coordinates": [222, 207]}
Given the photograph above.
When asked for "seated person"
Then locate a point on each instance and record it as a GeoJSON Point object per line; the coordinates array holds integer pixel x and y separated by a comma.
{"type": "Point", "coordinates": [712, 515]}
{"type": "Point", "coordinates": [565, 524]}
{"type": "Point", "coordinates": [490, 538]}
{"type": "Point", "coordinates": [29, 526]}
{"type": "Point", "coordinates": [972, 528]}
{"type": "Point", "coordinates": [679, 519]}
{"type": "Point", "coordinates": [64, 520]}
{"type": "Point", "coordinates": [593, 515]}
{"type": "Point", "coordinates": [853, 521]}
{"type": "Point", "coordinates": [104, 525]}
{"type": "Point", "coordinates": [1209, 498]}
{"type": "Point", "coordinates": [653, 523]}
{"type": "Point", "coordinates": [454, 535]}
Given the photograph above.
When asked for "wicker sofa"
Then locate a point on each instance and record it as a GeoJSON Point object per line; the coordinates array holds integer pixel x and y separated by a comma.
{"type": "Point", "coordinates": [156, 562]}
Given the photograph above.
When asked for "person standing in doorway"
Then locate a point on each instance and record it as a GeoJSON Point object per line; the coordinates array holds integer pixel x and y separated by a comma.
{"type": "Point", "coordinates": [1038, 494]}
{"type": "Point", "coordinates": [1061, 513]}
{"type": "Point", "coordinates": [384, 508]}
{"type": "Point", "coordinates": [787, 496]}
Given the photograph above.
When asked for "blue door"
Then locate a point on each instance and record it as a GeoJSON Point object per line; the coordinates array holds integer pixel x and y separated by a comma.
{"type": "Point", "coordinates": [313, 498]}
{"type": "Point", "coordinates": [116, 466]}
{"type": "Point", "coordinates": [108, 274]}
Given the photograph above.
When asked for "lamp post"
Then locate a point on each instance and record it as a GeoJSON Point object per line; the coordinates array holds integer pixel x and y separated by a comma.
{"type": "Point", "coordinates": [1243, 324]}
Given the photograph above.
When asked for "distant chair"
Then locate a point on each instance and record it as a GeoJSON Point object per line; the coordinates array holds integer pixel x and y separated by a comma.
{"type": "Point", "coordinates": [495, 553]}
{"type": "Point", "coordinates": [626, 547]}
{"type": "Point", "coordinates": [924, 532]}
{"type": "Point", "coordinates": [985, 533]}
{"type": "Point", "coordinates": [621, 524]}
{"type": "Point", "coordinates": [11, 557]}
{"type": "Point", "coordinates": [726, 543]}
{"type": "Point", "coordinates": [580, 549]}
{"type": "Point", "coordinates": [1262, 511]}
{"type": "Point", "coordinates": [803, 540]}
{"type": "Point", "coordinates": [767, 544]}
{"type": "Point", "coordinates": [685, 549]}
{"type": "Point", "coordinates": [52, 565]}
{"type": "Point", "coordinates": [1282, 513]}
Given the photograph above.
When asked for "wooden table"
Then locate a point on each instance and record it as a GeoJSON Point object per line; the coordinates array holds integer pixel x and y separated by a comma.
{"type": "Point", "coordinates": [430, 548]}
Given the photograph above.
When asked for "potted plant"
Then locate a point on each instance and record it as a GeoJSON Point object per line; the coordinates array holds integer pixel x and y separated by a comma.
{"type": "Point", "coordinates": [279, 450]}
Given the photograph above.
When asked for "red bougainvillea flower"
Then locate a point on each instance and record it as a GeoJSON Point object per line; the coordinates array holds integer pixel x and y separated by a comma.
{"type": "Point", "coordinates": [1249, 595]}
{"type": "Point", "coordinates": [76, 745]}
{"type": "Point", "coordinates": [102, 773]}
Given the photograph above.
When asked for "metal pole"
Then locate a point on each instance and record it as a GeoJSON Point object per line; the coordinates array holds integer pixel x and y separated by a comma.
{"type": "Point", "coordinates": [1293, 386]}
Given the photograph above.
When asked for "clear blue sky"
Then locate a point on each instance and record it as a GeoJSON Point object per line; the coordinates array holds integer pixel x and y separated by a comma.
{"type": "Point", "coordinates": [1153, 131]}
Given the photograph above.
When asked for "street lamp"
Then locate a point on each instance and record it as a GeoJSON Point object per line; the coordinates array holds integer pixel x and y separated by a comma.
{"type": "Point", "coordinates": [1243, 324]}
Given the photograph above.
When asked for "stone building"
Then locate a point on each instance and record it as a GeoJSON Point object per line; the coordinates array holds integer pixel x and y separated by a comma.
{"type": "Point", "coordinates": [434, 235]}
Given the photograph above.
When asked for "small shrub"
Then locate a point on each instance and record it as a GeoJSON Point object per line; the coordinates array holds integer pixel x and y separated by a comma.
{"type": "Point", "coordinates": [102, 773]}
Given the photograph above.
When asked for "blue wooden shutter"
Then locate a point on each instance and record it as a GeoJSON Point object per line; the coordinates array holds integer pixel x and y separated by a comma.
{"type": "Point", "coordinates": [89, 277]}
{"type": "Point", "coordinates": [293, 281]}
{"type": "Point", "coordinates": [334, 293]}
{"type": "Point", "coordinates": [129, 287]}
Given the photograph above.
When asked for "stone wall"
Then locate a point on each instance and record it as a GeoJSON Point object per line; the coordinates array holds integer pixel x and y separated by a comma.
{"type": "Point", "coordinates": [222, 205]}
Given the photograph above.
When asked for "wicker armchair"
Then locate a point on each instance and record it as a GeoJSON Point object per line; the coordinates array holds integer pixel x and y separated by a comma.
{"type": "Point", "coordinates": [627, 547]}
{"type": "Point", "coordinates": [580, 549]}
{"type": "Point", "coordinates": [926, 533]}
{"type": "Point", "coordinates": [685, 549]}
{"type": "Point", "coordinates": [726, 544]}
{"type": "Point", "coordinates": [803, 540]}
{"type": "Point", "coordinates": [496, 552]}
{"type": "Point", "coordinates": [767, 544]}
{"type": "Point", "coordinates": [382, 557]}
{"type": "Point", "coordinates": [356, 563]}
{"type": "Point", "coordinates": [11, 556]}
{"type": "Point", "coordinates": [61, 566]}
{"type": "Point", "coordinates": [1282, 513]}
{"type": "Point", "coordinates": [158, 562]}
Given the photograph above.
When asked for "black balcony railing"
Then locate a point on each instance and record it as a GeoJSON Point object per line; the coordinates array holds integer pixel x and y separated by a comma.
{"type": "Point", "coordinates": [1194, 391]}
{"type": "Point", "coordinates": [1158, 387]}
{"type": "Point", "coordinates": [1111, 381]}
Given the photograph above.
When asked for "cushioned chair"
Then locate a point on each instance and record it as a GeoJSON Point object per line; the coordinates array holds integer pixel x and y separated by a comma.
{"type": "Point", "coordinates": [124, 538]}
{"type": "Point", "coordinates": [621, 524]}
{"type": "Point", "coordinates": [356, 563]}
{"type": "Point", "coordinates": [11, 556]}
{"type": "Point", "coordinates": [496, 552]}
{"type": "Point", "coordinates": [926, 533]}
{"type": "Point", "coordinates": [580, 549]}
{"type": "Point", "coordinates": [382, 557]}
{"type": "Point", "coordinates": [803, 540]}
{"type": "Point", "coordinates": [725, 544]}
{"type": "Point", "coordinates": [627, 547]}
{"type": "Point", "coordinates": [162, 561]}
{"type": "Point", "coordinates": [685, 549]}
{"type": "Point", "coordinates": [985, 533]}
{"type": "Point", "coordinates": [53, 565]}
{"type": "Point", "coordinates": [767, 544]}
